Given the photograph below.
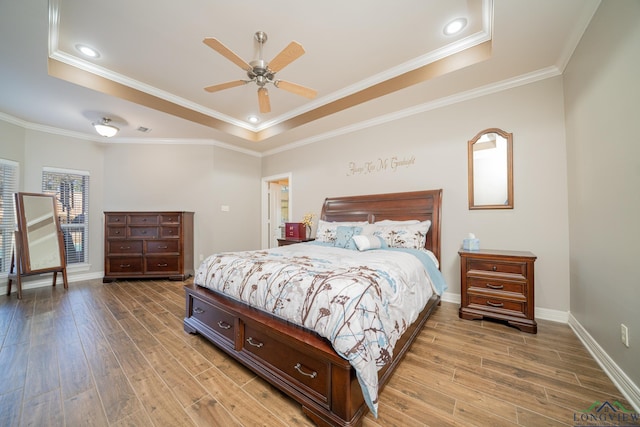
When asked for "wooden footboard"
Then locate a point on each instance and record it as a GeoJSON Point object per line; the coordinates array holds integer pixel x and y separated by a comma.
{"type": "Point", "coordinates": [295, 360]}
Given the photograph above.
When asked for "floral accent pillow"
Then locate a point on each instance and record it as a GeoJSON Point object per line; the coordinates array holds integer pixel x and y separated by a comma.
{"type": "Point", "coordinates": [326, 231]}
{"type": "Point", "coordinates": [412, 236]}
{"type": "Point", "coordinates": [344, 237]}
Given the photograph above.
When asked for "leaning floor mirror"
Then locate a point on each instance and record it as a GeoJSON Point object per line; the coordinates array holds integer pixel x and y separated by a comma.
{"type": "Point", "coordinates": [491, 170]}
{"type": "Point", "coordinates": [39, 244]}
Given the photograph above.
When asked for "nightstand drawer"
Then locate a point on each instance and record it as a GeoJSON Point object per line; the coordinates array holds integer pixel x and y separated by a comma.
{"type": "Point", "coordinates": [496, 304]}
{"type": "Point", "coordinates": [490, 285]}
{"type": "Point", "coordinates": [519, 268]}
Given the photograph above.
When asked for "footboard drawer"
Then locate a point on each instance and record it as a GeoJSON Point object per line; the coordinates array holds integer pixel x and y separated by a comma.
{"type": "Point", "coordinates": [215, 318]}
{"type": "Point", "coordinates": [303, 371]}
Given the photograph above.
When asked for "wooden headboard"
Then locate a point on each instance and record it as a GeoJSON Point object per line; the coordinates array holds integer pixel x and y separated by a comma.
{"type": "Point", "coordinates": [420, 205]}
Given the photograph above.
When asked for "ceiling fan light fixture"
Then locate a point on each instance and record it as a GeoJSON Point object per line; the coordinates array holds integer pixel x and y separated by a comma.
{"type": "Point", "coordinates": [455, 26]}
{"type": "Point", "coordinates": [104, 128]}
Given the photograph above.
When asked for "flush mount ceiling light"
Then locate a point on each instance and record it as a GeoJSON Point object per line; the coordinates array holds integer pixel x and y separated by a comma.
{"type": "Point", "coordinates": [104, 128]}
{"type": "Point", "coordinates": [87, 51]}
{"type": "Point", "coordinates": [253, 119]}
{"type": "Point", "coordinates": [455, 26]}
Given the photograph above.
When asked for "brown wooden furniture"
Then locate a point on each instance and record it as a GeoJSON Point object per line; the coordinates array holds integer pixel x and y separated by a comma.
{"type": "Point", "coordinates": [294, 359]}
{"type": "Point", "coordinates": [291, 241]}
{"type": "Point", "coordinates": [145, 245]}
{"type": "Point", "coordinates": [39, 244]}
{"type": "Point", "coordinates": [499, 285]}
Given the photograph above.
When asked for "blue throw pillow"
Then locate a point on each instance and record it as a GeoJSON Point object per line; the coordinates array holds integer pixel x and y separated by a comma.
{"type": "Point", "coordinates": [344, 237]}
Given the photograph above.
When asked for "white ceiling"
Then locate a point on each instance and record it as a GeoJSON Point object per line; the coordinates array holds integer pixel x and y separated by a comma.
{"type": "Point", "coordinates": [155, 47]}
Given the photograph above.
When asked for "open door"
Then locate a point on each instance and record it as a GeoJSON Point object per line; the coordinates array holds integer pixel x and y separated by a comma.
{"type": "Point", "coordinates": [276, 198]}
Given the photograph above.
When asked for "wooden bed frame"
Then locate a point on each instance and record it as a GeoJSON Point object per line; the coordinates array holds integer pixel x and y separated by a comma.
{"type": "Point", "coordinates": [295, 360]}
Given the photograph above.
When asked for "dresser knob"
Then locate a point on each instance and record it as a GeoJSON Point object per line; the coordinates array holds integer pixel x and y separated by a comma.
{"type": "Point", "coordinates": [494, 268]}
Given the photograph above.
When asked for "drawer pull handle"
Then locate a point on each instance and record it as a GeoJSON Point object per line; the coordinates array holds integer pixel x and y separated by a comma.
{"type": "Point", "coordinates": [223, 325]}
{"type": "Point", "coordinates": [495, 304]}
{"type": "Point", "coordinates": [298, 368]}
{"type": "Point", "coordinates": [144, 231]}
{"type": "Point", "coordinates": [490, 286]}
{"type": "Point", "coordinates": [198, 310]}
{"type": "Point", "coordinates": [125, 265]}
{"type": "Point", "coordinates": [255, 344]}
{"type": "Point", "coordinates": [494, 268]}
{"type": "Point", "coordinates": [117, 232]}
{"type": "Point", "coordinates": [163, 247]}
{"type": "Point", "coordinates": [117, 219]}
{"type": "Point", "coordinates": [125, 247]}
{"type": "Point", "coordinates": [163, 265]}
{"type": "Point", "coordinates": [144, 219]}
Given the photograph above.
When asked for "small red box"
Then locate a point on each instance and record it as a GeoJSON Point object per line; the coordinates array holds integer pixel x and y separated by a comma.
{"type": "Point", "coordinates": [295, 230]}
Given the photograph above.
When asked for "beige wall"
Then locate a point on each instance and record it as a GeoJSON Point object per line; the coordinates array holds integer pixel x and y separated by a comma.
{"type": "Point", "coordinates": [602, 94]}
{"type": "Point", "coordinates": [438, 142]}
{"type": "Point", "coordinates": [199, 178]}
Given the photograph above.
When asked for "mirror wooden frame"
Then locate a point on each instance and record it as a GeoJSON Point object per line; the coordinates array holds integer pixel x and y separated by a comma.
{"type": "Point", "coordinates": [39, 243]}
{"type": "Point", "coordinates": [508, 204]}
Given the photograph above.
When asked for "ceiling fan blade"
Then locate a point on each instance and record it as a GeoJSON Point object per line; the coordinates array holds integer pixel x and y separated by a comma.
{"type": "Point", "coordinates": [289, 54]}
{"type": "Point", "coordinates": [226, 52]}
{"type": "Point", "coordinates": [296, 88]}
{"type": "Point", "coordinates": [226, 85]}
{"type": "Point", "coordinates": [263, 100]}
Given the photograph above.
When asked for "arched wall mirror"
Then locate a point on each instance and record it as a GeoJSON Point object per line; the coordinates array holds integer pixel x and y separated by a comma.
{"type": "Point", "coordinates": [490, 155]}
{"type": "Point", "coordinates": [39, 245]}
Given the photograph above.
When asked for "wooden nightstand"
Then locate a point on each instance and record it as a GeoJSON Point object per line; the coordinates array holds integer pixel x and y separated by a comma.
{"type": "Point", "coordinates": [290, 241]}
{"type": "Point", "coordinates": [499, 285]}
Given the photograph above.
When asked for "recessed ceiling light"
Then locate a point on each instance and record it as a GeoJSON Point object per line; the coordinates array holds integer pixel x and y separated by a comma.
{"type": "Point", "coordinates": [253, 119]}
{"type": "Point", "coordinates": [87, 51]}
{"type": "Point", "coordinates": [455, 26]}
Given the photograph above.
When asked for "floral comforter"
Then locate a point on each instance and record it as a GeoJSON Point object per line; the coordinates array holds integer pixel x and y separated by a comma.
{"type": "Point", "coordinates": [361, 302]}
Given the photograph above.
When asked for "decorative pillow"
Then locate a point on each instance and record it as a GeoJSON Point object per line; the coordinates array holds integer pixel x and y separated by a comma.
{"type": "Point", "coordinates": [393, 222]}
{"type": "Point", "coordinates": [344, 237]}
{"type": "Point", "coordinates": [365, 242]}
{"type": "Point", "coordinates": [326, 231]}
{"type": "Point", "coordinates": [412, 236]}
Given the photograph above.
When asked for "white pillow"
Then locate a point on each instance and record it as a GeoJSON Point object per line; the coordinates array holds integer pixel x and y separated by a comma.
{"type": "Point", "coordinates": [326, 231]}
{"type": "Point", "coordinates": [412, 236]}
{"type": "Point", "coordinates": [392, 222]}
{"type": "Point", "coordinates": [365, 242]}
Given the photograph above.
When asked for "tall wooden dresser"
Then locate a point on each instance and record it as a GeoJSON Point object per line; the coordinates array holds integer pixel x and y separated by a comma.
{"type": "Point", "coordinates": [141, 245]}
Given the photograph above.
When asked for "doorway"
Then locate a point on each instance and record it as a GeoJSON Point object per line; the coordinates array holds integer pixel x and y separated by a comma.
{"type": "Point", "coordinates": [276, 208]}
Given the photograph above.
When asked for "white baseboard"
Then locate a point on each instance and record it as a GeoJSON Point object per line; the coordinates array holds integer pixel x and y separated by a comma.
{"type": "Point", "coordinates": [46, 281]}
{"type": "Point", "coordinates": [627, 387]}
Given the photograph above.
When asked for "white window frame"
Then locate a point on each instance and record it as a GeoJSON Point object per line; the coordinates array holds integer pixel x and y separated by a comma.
{"type": "Point", "coordinates": [85, 175]}
{"type": "Point", "coordinates": [10, 172]}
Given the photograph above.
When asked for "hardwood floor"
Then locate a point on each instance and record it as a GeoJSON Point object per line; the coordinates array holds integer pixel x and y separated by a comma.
{"type": "Point", "coordinates": [116, 355]}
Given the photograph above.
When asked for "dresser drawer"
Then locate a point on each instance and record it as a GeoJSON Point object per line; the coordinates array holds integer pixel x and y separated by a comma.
{"type": "Point", "coordinates": [162, 246]}
{"type": "Point", "coordinates": [495, 286]}
{"type": "Point", "coordinates": [222, 323]}
{"type": "Point", "coordinates": [143, 232]}
{"type": "Point", "coordinates": [170, 231]}
{"type": "Point", "coordinates": [497, 305]}
{"type": "Point", "coordinates": [150, 219]}
{"type": "Point", "coordinates": [121, 265]}
{"type": "Point", "coordinates": [116, 247]}
{"type": "Point", "coordinates": [310, 375]}
{"type": "Point", "coordinates": [170, 219]}
{"type": "Point", "coordinates": [162, 264]}
{"type": "Point", "coordinates": [519, 268]}
{"type": "Point", "coordinates": [116, 232]}
{"type": "Point", "coordinates": [114, 219]}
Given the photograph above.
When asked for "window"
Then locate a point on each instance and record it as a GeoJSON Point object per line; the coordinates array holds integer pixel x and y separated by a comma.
{"type": "Point", "coordinates": [71, 189]}
{"type": "Point", "coordinates": [8, 186]}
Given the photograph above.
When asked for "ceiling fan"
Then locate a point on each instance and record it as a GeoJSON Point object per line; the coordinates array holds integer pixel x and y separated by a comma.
{"type": "Point", "coordinates": [261, 72]}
